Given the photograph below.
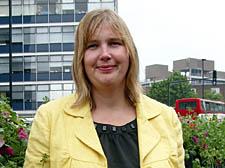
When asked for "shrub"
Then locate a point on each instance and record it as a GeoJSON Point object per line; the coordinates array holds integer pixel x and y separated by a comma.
{"type": "Point", "coordinates": [13, 137]}
{"type": "Point", "coordinates": [204, 141]}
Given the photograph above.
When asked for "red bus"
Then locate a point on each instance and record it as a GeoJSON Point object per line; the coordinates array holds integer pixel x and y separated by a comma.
{"type": "Point", "coordinates": [199, 107]}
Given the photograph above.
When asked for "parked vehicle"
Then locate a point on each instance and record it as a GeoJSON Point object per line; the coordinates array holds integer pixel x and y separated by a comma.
{"type": "Point", "coordinates": [202, 107]}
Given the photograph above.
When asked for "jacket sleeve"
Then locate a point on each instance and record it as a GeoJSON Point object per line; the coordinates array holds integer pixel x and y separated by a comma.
{"type": "Point", "coordinates": [38, 143]}
{"type": "Point", "coordinates": [178, 138]}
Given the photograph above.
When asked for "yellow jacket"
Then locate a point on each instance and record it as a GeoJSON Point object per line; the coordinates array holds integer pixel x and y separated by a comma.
{"type": "Point", "coordinates": [68, 136]}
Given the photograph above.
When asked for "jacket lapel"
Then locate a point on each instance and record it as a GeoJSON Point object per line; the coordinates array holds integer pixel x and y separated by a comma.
{"type": "Point", "coordinates": [84, 126]}
{"type": "Point", "coordinates": [148, 136]}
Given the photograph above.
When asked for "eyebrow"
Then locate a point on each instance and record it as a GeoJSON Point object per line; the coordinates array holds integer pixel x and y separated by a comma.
{"type": "Point", "coordinates": [110, 39]}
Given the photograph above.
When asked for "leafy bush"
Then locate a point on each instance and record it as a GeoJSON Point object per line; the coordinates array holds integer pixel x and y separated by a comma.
{"type": "Point", "coordinates": [13, 137]}
{"type": "Point", "coordinates": [204, 141]}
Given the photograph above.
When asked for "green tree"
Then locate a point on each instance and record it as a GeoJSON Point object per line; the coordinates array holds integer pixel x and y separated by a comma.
{"type": "Point", "coordinates": [178, 90]}
{"type": "Point", "coordinates": [212, 95]}
{"type": "Point", "coordinates": [45, 99]}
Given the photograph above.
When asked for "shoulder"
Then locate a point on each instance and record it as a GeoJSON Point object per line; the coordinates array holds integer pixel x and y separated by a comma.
{"type": "Point", "coordinates": [151, 103]}
{"type": "Point", "coordinates": [153, 108]}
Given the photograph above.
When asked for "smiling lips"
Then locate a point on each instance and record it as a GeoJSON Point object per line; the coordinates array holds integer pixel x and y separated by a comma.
{"type": "Point", "coordinates": [106, 68]}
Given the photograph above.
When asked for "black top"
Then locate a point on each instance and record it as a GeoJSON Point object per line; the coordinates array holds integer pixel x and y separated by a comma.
{"type": "Point", "coordinates": [120, 144]}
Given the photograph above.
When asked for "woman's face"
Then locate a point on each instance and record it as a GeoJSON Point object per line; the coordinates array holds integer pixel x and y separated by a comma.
{"type": "Point", "coordinates": [106, 60]}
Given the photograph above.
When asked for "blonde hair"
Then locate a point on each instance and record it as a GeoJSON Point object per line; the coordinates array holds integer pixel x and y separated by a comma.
{"type": "Point", "coordinates": [85, 31]}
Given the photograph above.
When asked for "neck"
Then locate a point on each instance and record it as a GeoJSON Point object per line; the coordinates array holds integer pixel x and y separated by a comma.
{"type": "Point", "coordinates": [112, 107]}
{"type": "Point", "coordinates": [109, 96]}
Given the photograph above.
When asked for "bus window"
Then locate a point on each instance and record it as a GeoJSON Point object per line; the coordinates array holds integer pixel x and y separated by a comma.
{"type": "Point", "coordinates": [207, 105]}
{"type": "Point", "coordinates": [185, 105]}
{"type": "Point", "coordinates": [219, 107]}
{"type": "Point", "coordinates": [212, 106]}
{"type": "Point", "coordinates": [203, 105]}
{"type": "Point", "coordinates": [200, 106]}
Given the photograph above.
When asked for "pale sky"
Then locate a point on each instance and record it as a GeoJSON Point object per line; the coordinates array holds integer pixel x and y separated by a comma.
{"type": "Point", "coordinates": [168, 30]}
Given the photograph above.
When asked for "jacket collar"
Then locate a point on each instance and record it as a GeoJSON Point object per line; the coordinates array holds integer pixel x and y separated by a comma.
{"type": "Point", "coordinates": [148, 135]}
{"type": "Point", "coordinates": [146, 109]}
{"type": "Point", "coordinates": [84, 124]}
{"type": "Point", "coordinates": [76, 111]}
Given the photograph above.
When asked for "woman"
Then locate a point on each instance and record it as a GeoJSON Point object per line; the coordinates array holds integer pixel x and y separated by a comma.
{"type": "Point", "coordinates": [107, 122]}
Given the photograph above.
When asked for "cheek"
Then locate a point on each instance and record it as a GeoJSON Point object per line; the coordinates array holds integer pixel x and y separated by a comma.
{"type": "Point", "coordinates": [89, 59]}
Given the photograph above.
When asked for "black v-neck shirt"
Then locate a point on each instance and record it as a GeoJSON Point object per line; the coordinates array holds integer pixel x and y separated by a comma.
{"type": "Point", "coordinates": [120, 144]}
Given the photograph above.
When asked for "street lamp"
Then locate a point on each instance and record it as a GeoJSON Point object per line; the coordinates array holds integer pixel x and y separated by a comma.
{"type": "Point", "coordinates": [203, 78]}
{"type": "Point", "coordinates": [10, 52]}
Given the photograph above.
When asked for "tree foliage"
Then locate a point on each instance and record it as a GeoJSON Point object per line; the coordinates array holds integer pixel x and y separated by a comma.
{"type": "Point", "coordinates": [179, 88]}
{"type": "Point", "coordinates": [212, 95]}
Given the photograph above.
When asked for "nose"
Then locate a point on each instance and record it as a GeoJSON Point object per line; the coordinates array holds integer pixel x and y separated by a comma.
{"type": "Point", "coordinates": [105, 54]}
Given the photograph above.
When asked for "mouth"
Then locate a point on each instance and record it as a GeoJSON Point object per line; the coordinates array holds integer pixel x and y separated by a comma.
{"type": "Point", "coordinates": [106, 67]}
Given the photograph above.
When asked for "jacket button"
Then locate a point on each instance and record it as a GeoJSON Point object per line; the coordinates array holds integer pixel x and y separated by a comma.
{"type": "Point", "coordinates": [114, 129]}
{"type": "Point", "coordinates": [124, 129]}
{"type": "Point", "coordinates": [132, 126]}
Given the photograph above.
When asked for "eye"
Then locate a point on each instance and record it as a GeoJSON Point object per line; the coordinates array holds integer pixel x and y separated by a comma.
{"type": "Point", "coordinates": [92, 46]}
{"type": "Point", "coordinates": [115, 43]}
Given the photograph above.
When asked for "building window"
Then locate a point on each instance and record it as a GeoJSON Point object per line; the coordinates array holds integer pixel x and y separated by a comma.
{"type": "Point", "coordinates": [30, 87]}
{"type": "Point", "coordinates": [30, 59]}
{"type": "Point", "coordinates": [55, 1]}
{"type": "Point", "coordinates": [4, 2]}
{"type": "Point", "coordinates": [41, 95]}
{"type": "Point", "coordinates": [29, 9]}
{"type": "Point", "coordinates": [30, 67]}
{"type": "Point", "coordinates": [55, 87]}
{"type": "Point", "coordinates": [17, 68]}
{"type": "Point", "coordinates": [43, 87]}
{"type": "Point", "coordinates": [17, 10]}
{"type": "Point", "coordinates": [29, 96]}
{"type": "Point", "coordinates": [55, 95]}
{"type": "Point", "coordinates": [68, 29]}
{"type": "Point", "coordinates": [68, 58]}
{"type": "Point", "coordinates": [28, 30]}
{"type": "Point", "coordinates": [42, 29]}
{"type": "Point", "coordinates": [68, 8]}
{"type": "Point", "coordinates": [42, 38]}
{"type": "Point", "coordinates": [43, 58]}
{"type": "Point", "coordinates": [28, 1]}
{"type": "Point", "coordinates": [68, 37]}
{"type": "Point", "coordinates": [42, 9]}
{"type": "Point", "coordinates": [4, 60]}
{"type": "Point", "coordinates": [196, 72]}
{"type": "Point", "coordinates": [55, 37]}
{"type": "Point", "coordinates": [55, 71]}
{"type": "Point", "coordinates": [55, 29]}
{"type": "Point", "coordinates": [68, 86]}
{"type": "Point", "coordinates": [55, 58]}
{"type": "Point", "coordinates": [43, 67]}
{"type": "Point", "coordinates": [92, 6]}
{"type": "Point", "coordinates": [81, 7]}
{"type": "Point", "coordinates": [17, 38]}
{"type": "Point", "coordinates": [108, 5]}
{"type": "Point", "coordinates": [29, 38]}
{"type": "Point", "coordinates": [55, 8]}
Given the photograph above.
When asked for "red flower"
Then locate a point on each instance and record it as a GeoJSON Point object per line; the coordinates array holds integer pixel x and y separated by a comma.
{"type": "Point", "coordinates": [5, 114]}
{"type": "Point", "coordinates": [217, 162]}
{"type": "Point", "coordinates": [192, 125]}
{"type": "Point", "coordinates": [196, 139]}
{"type": "Point", "coordinates": [204, 146]}
{"type": "Point", "coordinates": [21, 134]}
{"type": "Point", "coordinates": [5, 150]}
